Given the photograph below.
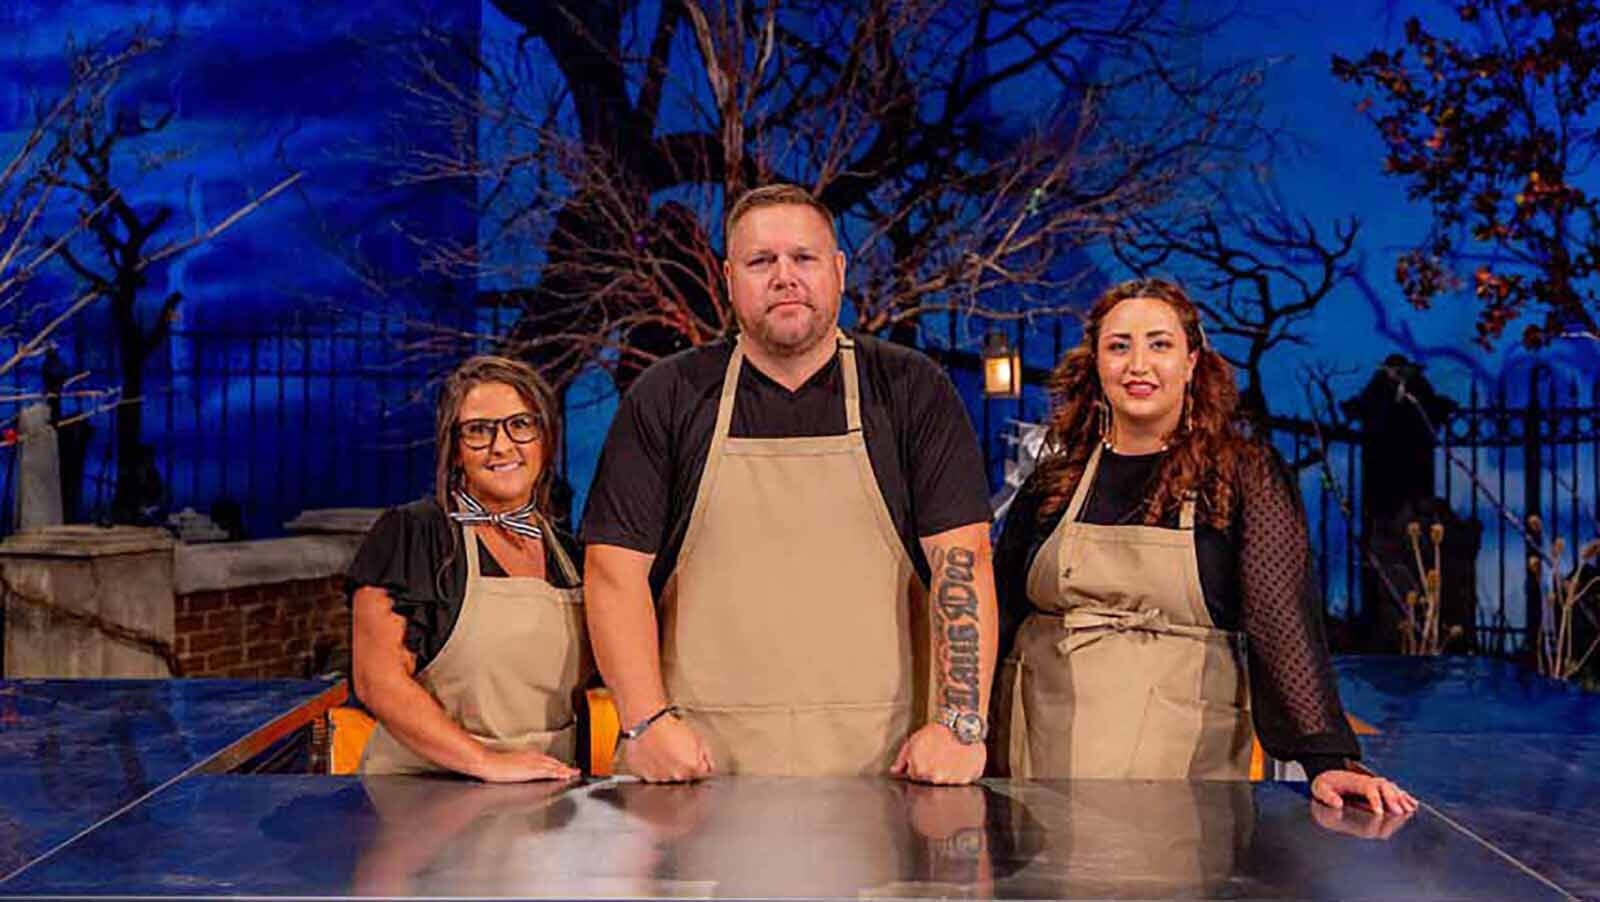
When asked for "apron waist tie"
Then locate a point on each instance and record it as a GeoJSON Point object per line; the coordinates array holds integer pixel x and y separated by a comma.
{"type": "Point", "coordinates": [1088, 624]}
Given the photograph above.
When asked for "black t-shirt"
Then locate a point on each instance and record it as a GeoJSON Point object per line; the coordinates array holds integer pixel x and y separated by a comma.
{"type": "Point", "coordinates": [405, 554]}
{"type": "Point", "coordinates": [1257, 575]}
{"type": "Point", "coordinates": [923, 450]}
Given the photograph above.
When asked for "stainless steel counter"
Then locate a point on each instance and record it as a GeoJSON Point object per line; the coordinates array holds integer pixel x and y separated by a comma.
{"type": "Point", "coordinates": [753, 837]}
{"type": "Point", "coordinates": [113, 788]}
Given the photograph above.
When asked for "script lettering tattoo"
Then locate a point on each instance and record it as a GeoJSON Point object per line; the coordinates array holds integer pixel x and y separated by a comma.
{"type": "Point", "coordinates": [955, 610]}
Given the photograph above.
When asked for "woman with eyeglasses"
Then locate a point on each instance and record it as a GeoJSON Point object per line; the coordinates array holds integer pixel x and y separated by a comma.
{"type": "Point", "coordinates": [469, 640]}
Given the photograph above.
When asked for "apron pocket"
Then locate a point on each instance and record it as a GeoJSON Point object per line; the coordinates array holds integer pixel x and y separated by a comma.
{"type": "Point", "coordinates": [1191, 739]}
{"type": "Point", "coordinates": [1227, 737]}
{"type": "Point", "coordinates": [845, 740]}
{"type": "Point", "coordinates": [818, 740]}
{"type": "Point", "coordinates": [558, 660]}
{"type": "Point", "coordinates": [745, 739]}
{"type": "Point", "coordinates": [1008, 724]}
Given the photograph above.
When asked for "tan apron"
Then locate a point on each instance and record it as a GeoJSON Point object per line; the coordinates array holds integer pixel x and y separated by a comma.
{"type": "Point", "coordinates": [508, 671]}
{"type": "Point", "coordinates": [787, 626]}
{"type": "Point", "coordinates": [1121, 673]}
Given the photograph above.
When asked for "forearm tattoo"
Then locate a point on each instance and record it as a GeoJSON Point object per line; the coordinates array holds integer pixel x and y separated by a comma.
{"type": "Point", "coordinates": [955, 620]}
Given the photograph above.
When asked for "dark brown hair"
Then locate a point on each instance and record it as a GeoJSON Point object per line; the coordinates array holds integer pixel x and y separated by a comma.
{"type": "Point", "coordinates": [1201, 455]}
{"type": "Point", "coordinates": [775, 195]}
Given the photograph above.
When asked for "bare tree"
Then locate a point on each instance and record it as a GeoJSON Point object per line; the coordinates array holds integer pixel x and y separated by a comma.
{"type": "Point", "coordinates": [614, 174]}
{"type": "Point", "coordinates": [29, 186]}
{"type": "Point", "coordinates": [121, 236]}
{"type": "Point", "coordinates": [62, 173]}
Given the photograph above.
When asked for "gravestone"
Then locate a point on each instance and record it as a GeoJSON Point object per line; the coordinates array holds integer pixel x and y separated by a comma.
{"type": "Point", "coordinates": [1398, 410]}
{"type": "Point", "coordinates": [38, 470]}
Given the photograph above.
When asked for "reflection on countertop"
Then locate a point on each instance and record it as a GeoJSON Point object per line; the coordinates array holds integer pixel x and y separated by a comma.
{"type": "Point", "coordinates": [1536, 797]}
{"type": "Point", "coordinates": [769, 837]}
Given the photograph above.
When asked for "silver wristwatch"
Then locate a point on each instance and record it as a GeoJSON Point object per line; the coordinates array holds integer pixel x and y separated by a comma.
{"type": "Point", "coordinates": [969, 726]}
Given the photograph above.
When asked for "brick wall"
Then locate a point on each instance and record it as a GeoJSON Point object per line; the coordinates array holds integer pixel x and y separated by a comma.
{"type": "Point", "coordinates": [278, 629]}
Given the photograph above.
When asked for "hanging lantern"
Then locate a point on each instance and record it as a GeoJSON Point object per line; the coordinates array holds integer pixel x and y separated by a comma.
{"type": "Point", "coordinates": [1002, 367]}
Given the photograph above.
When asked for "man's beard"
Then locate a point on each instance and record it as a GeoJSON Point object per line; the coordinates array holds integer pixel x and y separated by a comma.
{"type": "Point", "coordinates": [791, 339]}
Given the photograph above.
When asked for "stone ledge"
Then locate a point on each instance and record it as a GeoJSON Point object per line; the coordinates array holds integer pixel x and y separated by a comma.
{"type": "Point", "coordinates": [335, 520]}
{"type": "Point", "coordinates": [84, 541]}
{"type": "Point", "coordinates": [227, 565]}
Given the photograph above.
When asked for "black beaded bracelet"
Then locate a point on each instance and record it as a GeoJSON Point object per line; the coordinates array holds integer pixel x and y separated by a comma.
{"type": "Point", "coordinates": [637, 730]}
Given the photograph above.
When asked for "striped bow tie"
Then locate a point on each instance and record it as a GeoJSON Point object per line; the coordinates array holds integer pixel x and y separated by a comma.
{"type": "Point", "coordinates": [520, 521]}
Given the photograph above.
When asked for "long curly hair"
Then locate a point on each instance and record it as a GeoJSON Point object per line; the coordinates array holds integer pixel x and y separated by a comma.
{"type": "Point", "coordinates": [1201, 454]}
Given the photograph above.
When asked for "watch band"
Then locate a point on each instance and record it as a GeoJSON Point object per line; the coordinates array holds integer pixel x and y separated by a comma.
{"type": "Point", "coordinates": [954, 719]}
{"type": "Point", "coordinates": [637, 730]}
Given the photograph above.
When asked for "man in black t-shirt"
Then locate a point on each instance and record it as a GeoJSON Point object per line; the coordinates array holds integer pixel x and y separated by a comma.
{"type": "Point", "coordinates": [779, 500]}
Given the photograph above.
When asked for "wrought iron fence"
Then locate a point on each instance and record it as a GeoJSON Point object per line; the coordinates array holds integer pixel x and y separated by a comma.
{"type": "Point", "coordinates": [326, 414]}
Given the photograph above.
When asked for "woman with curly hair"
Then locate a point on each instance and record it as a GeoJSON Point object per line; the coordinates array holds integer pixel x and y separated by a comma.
{"type": "Point", "coordinates": [1157, 593]}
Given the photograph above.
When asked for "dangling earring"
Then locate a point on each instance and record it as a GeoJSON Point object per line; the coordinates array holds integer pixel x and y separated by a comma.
{"type": "Point", "coordinates": [1104, 409]}
{"type": "Point", "coordinates": [1188, 408]}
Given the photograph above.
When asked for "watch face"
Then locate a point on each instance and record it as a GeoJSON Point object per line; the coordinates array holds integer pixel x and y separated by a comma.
{"type": "Point", "coordinates": [969, 728]}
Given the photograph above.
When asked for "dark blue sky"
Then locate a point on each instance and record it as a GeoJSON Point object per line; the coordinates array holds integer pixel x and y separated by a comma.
{"type": "Point", "coordinates": [263, 90]}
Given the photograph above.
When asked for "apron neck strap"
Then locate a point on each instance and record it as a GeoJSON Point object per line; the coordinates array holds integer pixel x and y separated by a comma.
{"type": "Point", "coordinates": [852, 382]}
{"type": "Point", "coordinates": [730, 384]}
{"type": "Point", "coordinates": [852, 387]}
{"type": "Point", "coordinates": [1081, 493]}
{"type": "Point", "coordinates": [469, 540]}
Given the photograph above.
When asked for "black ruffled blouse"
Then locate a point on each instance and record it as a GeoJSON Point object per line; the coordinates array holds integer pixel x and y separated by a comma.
{"type": "Point", "coordinates": [403, 555]}
{"type": "Point", "coordinates": [1257, 575]}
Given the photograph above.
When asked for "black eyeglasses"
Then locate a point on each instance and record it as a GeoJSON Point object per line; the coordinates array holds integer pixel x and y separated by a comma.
{"type": "Point", "coordinates": [521, 428]}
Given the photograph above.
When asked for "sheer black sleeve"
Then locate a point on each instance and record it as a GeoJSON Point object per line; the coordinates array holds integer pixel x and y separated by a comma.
{"type": "Point", "coordinates": [1295, 697]}
{"type": "Point", "coordinates": [402, 555]}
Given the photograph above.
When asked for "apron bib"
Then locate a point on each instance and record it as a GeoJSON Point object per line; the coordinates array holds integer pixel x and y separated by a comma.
{"type": "Point", "coordinates": [508, 671]}
{"type": "Point", "coordinates": [788, 633]}
{"type": "Point", "coordinates": [1121, 673]}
